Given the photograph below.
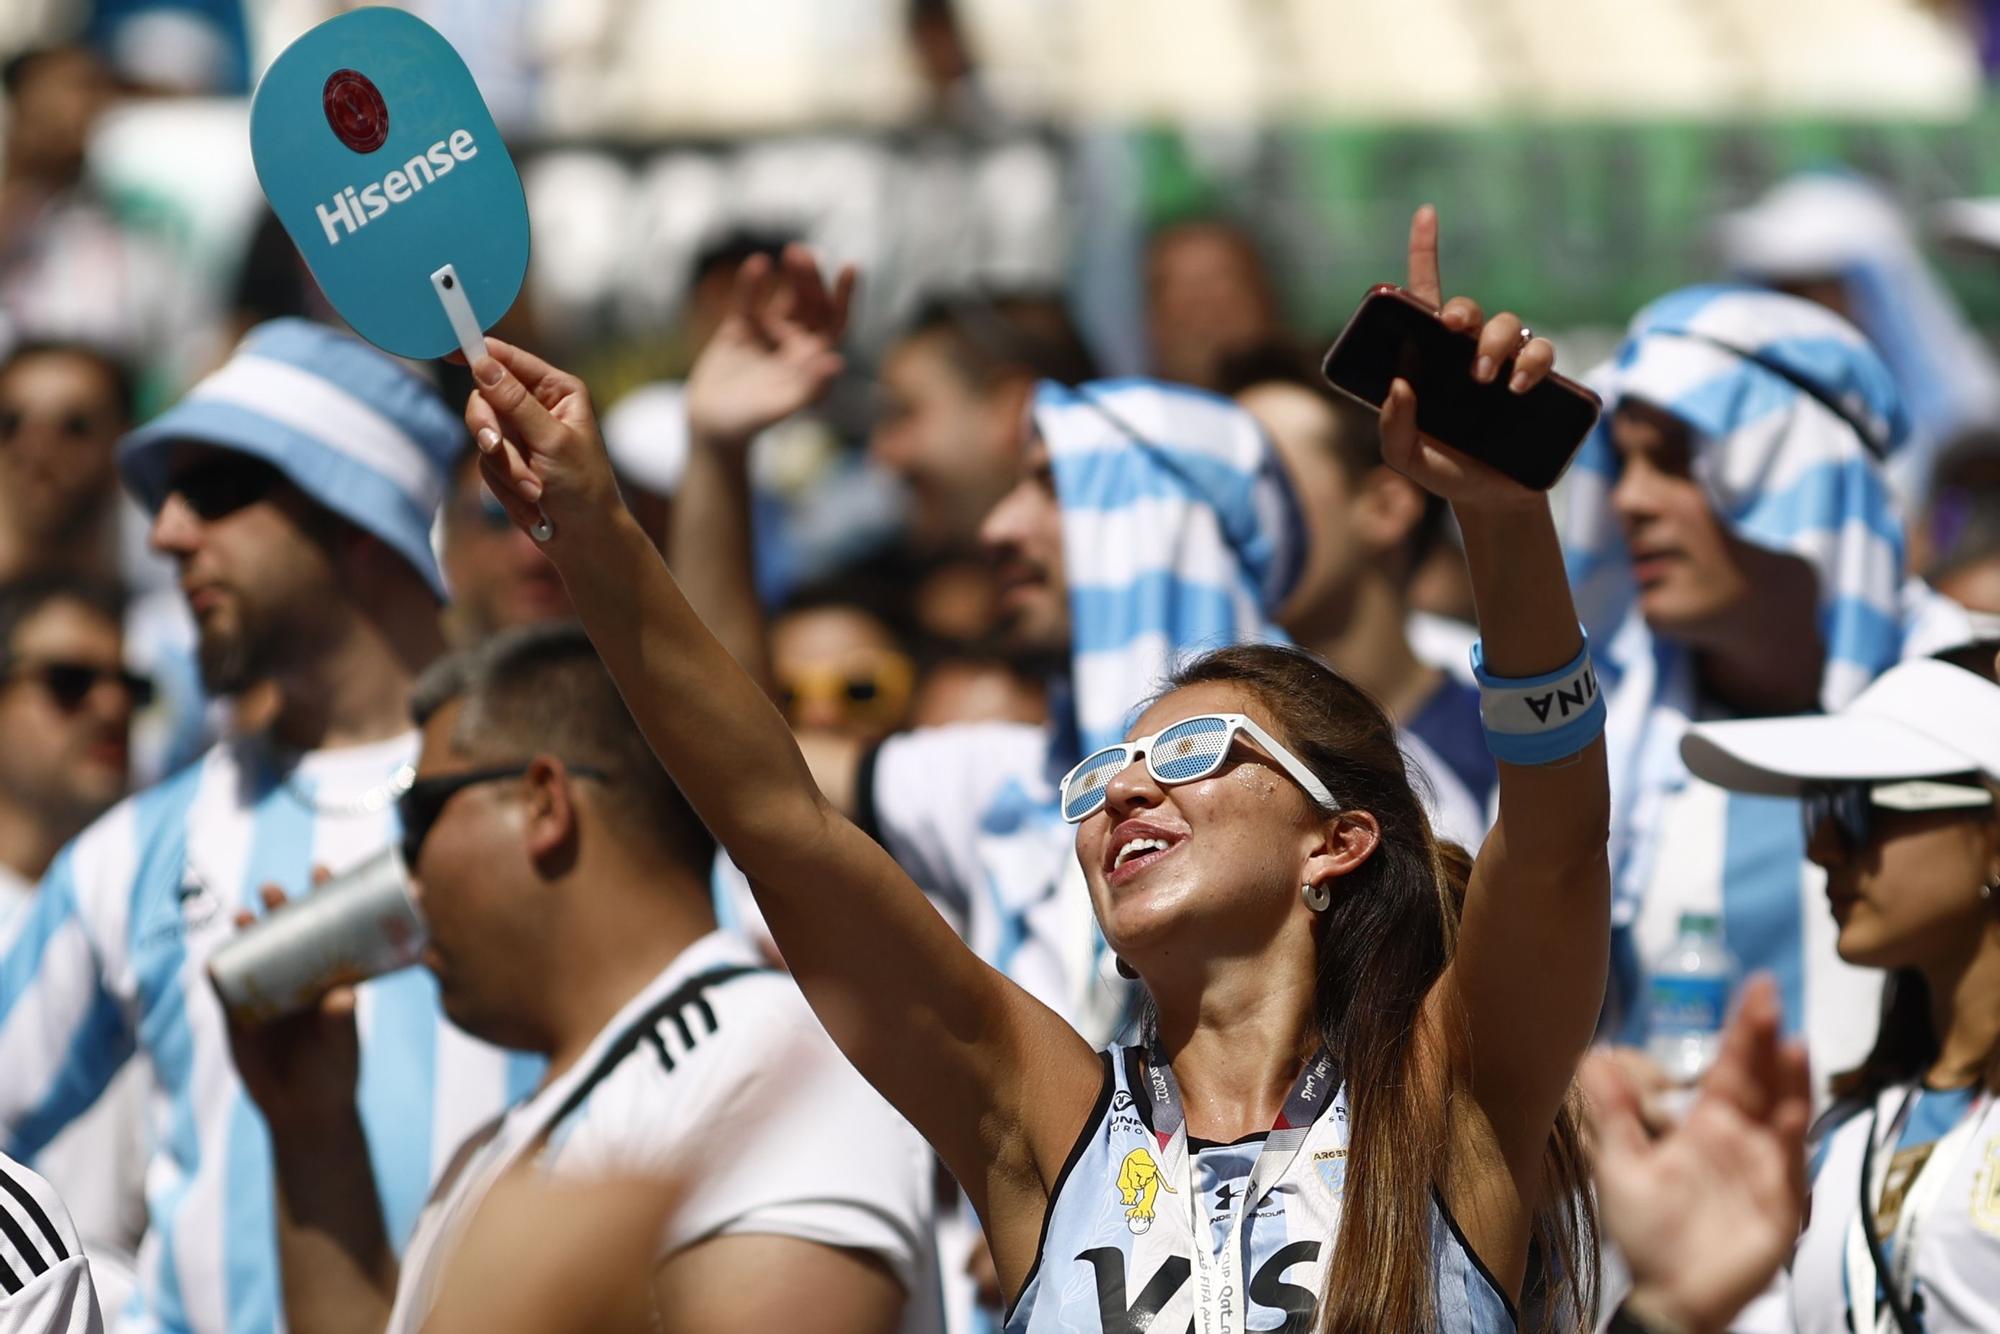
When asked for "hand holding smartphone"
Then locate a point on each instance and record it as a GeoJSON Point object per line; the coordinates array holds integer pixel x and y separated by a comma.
{"type": "Point", "coordinates": [1396, 334]}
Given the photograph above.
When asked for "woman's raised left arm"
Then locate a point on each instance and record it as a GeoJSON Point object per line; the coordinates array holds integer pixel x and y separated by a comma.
{"type": "Point", "coordinates": [1527, 980]}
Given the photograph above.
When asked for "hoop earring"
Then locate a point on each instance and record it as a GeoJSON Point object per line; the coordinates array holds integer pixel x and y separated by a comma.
{"type": "Point", "coordinates": [1125, 970]}
{"type": "Point", "coordinates": [1989, 889]}
{"type": "Point", "coordinates": [1317, 897]}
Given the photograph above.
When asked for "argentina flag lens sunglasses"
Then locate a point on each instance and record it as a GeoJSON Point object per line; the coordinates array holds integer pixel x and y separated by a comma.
{"type": "Point", "coordinates": [1190, 749]}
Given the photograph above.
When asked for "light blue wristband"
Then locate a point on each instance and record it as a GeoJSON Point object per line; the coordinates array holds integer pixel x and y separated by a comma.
{"type": "Point", "coordinates": [1540, 719]}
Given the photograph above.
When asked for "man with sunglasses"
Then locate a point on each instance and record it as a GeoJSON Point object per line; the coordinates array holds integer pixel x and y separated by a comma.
{"type": "Point", "coordinates": [294, 491]}
{"type": "Point", "coordinates": [564, 883]}
{"type": "Point", "coordinates": [66, 706]}
{"type": "Point", "coordinates": [63, 408]}
{"type": "Point", "coordinates": [67, 702]}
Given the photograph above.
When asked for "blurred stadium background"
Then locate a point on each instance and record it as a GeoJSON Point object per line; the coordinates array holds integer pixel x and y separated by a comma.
{"type": "Point", "coordinates": [1581, 150]}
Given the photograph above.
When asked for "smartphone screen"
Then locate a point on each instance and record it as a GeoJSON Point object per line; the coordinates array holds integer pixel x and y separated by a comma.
{"type": "Point", "coordinates": [1531, 437]}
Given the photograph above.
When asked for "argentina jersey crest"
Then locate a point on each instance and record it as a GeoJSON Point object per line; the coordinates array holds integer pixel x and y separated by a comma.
{"type": "Point", "coordinates": [1117, 1252]}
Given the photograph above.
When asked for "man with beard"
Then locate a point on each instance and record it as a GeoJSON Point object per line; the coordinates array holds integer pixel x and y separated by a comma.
{"type": "Point", "coordinates": [294, 490]}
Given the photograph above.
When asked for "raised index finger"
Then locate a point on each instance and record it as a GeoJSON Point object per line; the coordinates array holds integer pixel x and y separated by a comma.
{"type": "Point", "coordinates": [1424, 283]}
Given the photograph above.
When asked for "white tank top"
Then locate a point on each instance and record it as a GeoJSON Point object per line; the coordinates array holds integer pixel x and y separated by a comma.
{"type": "Point", "coordinates": [1117, 1254]}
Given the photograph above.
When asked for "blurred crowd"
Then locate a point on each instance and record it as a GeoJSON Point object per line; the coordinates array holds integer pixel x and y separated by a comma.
{"type": "Point", "coordinates": [213, 622]}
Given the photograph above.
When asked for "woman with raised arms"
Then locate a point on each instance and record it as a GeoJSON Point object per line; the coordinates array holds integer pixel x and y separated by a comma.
{"type": "Point", "coordinates": [1352, 1107]}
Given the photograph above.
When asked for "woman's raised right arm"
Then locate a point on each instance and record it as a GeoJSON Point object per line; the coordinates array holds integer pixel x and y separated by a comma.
{"type": "Point", "coordinates": [998, 1083]}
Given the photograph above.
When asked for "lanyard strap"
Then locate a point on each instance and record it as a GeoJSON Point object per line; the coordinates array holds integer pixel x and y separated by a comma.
{"type": "Point", "coordinates": [1220, 1302]}
{"type": "Point", "coordinates": [1867, 1265]}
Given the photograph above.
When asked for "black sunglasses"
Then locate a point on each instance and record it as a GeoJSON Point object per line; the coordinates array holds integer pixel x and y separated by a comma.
{"type": "Point", "coordinates": [220, 486]}
{"type": "Point", "coordinates": [69, 683]}
{"type": "Point", "coordinates": [1855, 807]}
{"type": "Point", "coordinates": [421, 805]}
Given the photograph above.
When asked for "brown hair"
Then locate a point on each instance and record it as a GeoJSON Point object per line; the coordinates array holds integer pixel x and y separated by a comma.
{"type": "Point", "coordinates": [1906, 1043]}
{"type": "Point", "coordinates": [1382, 947]}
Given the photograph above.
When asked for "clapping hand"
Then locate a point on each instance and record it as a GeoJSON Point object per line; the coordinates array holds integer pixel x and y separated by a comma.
{"type": "Point", "coordinates": [1707, 1212]}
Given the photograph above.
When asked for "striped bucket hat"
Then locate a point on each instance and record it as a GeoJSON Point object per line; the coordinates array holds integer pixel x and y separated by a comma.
{"type": "Point", "coordinates": [352, 428]}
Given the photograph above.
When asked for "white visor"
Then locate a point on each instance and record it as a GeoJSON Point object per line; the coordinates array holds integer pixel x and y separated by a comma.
{"type": "Point", "coordinates": [1922, 719]}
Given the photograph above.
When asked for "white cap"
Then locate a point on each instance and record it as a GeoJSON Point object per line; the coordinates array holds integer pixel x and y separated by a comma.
{"type": "Point", "coordinates": [646, 435]}
{"type": "Point", "coordinates": [1923, 719]}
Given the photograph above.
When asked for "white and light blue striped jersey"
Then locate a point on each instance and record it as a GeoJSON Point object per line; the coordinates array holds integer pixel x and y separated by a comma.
{"type": "Point", "coordinates": [44, 1278]}
{"type": "Point", "coordinates": [112, 958]}
{"type": "Point", "coordinates": [98, 1163]}
{"type": "Point", "coordinates": [1116, 1251]}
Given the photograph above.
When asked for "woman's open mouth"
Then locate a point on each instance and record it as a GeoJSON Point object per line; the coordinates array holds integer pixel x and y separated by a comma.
{"type": "Point", "coordinates": [1135, 847]}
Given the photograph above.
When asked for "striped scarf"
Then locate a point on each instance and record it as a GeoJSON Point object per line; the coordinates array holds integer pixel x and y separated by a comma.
{"type": "Point", "coordinates": [1180, 533]}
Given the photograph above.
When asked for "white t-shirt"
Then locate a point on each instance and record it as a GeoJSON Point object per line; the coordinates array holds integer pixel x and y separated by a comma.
{"type": "Point", "coordinates": [719, 1062]}
{"type": "Point", "coordinates": [44, 1279]}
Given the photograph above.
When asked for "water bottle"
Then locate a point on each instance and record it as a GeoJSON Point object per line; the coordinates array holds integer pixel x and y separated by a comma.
{"type": "Point", "coordinates": [1688, 999]}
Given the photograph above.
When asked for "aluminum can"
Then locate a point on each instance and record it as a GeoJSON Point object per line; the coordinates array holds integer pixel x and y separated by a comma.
{"type": "Point", "coordinates": [359, 924]}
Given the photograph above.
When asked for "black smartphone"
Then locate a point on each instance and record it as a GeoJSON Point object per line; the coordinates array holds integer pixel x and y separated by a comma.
{"type": "Point", "coordinates": [1531, 437]}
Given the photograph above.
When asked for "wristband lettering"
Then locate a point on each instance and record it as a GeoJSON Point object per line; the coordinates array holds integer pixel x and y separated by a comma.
{"type": "Point", "coordinates": [1540, 719]}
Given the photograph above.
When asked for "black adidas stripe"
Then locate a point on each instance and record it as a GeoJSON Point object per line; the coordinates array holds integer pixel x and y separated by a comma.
{"type": "Point", "coordinates": [35, 1212]}
{"type": "Point", "coordinates": [645, 1028]}
{"type": "Point", "coordinates": [36, 1257]}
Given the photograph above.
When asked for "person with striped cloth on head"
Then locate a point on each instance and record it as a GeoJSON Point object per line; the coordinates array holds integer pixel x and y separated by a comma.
{"type": "Point", "coordinates": [45, 1283]}
{"type": "Point", "coordinates": [294, 488]}
{"type": "Point", "coordinates": [1736, 551]}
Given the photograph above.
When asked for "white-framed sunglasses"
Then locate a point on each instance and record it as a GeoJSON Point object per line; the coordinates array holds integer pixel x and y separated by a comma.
{"type": "Point", "coordinates": [1190, 749]}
